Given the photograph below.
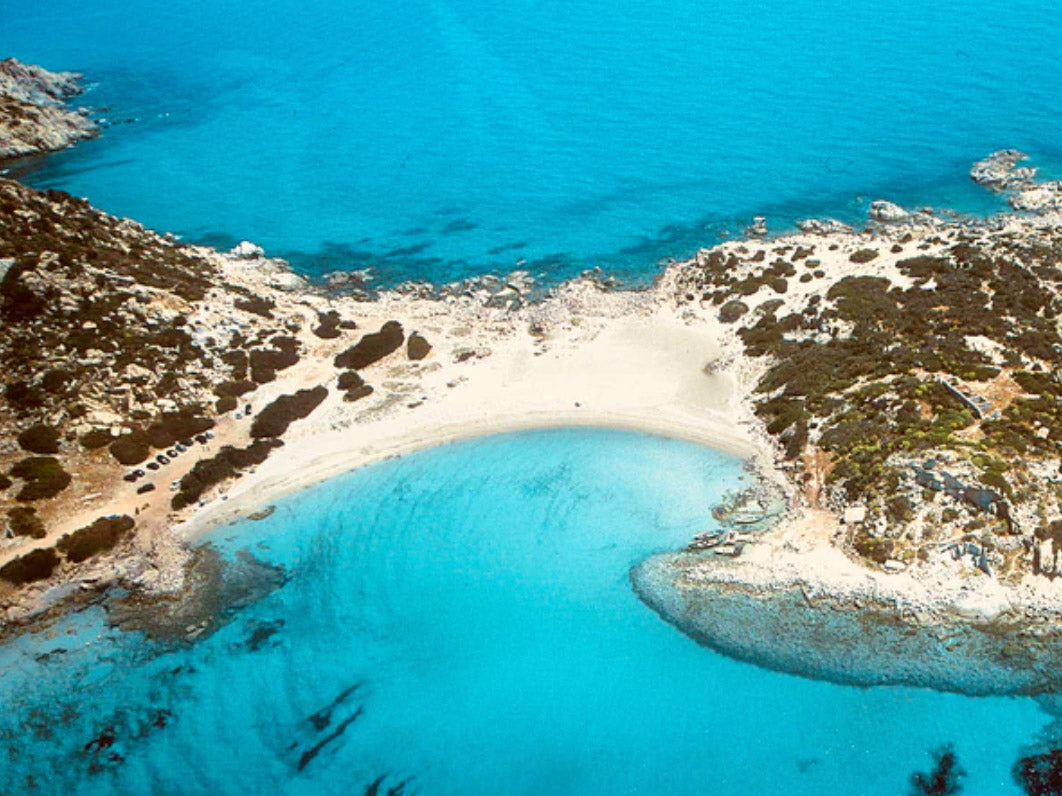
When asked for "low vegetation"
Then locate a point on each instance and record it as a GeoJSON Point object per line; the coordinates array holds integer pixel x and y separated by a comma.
{"type": "Point", "coordinates": [100, 536]}
{"type": "Point", "coordinates": [275, 418]}
{"type": "Point", "coordinates": [860, 385]}
{"type": "Point", "coordinates": [372, 347]}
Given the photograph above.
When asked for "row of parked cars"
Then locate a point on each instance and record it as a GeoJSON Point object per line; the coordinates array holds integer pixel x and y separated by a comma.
{"type": "Point", "coordinates": [165, 458]}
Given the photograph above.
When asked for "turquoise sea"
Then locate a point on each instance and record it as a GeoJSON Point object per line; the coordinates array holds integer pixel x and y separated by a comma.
{"type": "Point", "coordinates": [434, 139]}
{"type": "Point", "coordinates": [461, 620]}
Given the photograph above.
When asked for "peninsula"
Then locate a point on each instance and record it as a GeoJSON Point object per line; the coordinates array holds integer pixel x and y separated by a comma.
{"type": "Point", "coordinates": [897, 385]}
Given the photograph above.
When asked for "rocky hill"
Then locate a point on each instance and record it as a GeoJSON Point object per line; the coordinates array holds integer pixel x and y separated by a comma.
{"type": "Point", "coordinates": [910, 376]}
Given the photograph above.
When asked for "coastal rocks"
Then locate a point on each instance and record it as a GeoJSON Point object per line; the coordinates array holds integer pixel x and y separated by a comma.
{"type": "Point", "coordinates": [758, 227]}
{"type": "Point", "coordinates": [1001, 174]}
{"type": "Point", "coordinates": [823, 226]}
{"type": "Point", "coordinates": [1040, 198]}
{"type": "Point", "coordinates": [245, 250]}
{"type": "Point", "coordinates": [33, 114]}
{"type": "Point", "coordinates": [215, 591]}
{"type": "Point", "coordinates": [852, 639]}
{"type": "Point", "coordinates": [885, 212]}
{"type": "Point", "coordinates": [34, 85]}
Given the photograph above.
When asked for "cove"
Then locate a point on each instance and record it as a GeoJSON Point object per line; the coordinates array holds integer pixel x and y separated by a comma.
{"type": "Point", "coordinates": [460, 620]}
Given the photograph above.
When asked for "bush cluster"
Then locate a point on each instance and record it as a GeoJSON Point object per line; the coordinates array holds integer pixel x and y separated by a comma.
{"type": "Point", "coordinates": [372, 347]}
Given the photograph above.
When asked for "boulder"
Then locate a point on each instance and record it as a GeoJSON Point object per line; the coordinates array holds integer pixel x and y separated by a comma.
{"type": "Point", "coordinates": [758, 227]}
{"type": "Point", "coordinates": [246, 250]}
{"type": "Point", "coordinates": [885, 212]}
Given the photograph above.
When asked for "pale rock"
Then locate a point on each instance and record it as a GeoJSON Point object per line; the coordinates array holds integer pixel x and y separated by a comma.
{"type": "Point", "coordinates": [246, 250]}
{"type": "Point", "coordinates": [999, 172]}
{"type": "Point", "coordinates": [853, 515]}
{"type": "Point", "coordinates": [823, 226]}
{"type": "Point", "coordinates": [885, 212]}
{"type": "Point", "coordinates": [758, 227]}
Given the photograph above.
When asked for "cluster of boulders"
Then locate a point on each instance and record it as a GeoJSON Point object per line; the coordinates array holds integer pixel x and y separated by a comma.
{"type": "Point", "coordinates": [1001, 174]}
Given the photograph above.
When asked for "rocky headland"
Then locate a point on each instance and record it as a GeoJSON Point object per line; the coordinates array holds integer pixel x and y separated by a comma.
{"type": "Point", "coordinates": [34, 116]}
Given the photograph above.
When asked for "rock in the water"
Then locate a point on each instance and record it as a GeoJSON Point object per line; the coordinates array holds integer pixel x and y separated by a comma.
{"type": "Point", "coordinates": [886, 212]}
{"type": "Point", "coordinates": [1038, 198]}
{"type": "Point", "coordinates": [247, 250]}
{"type": "Point", "coordinates": [999, 172]}
{"type": "Point", "coordinates": [758, 227]}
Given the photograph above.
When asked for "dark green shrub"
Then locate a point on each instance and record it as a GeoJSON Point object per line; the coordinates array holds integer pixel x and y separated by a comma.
{"type": "Point", "coordinates": [327, 325]}
{"type": "Point", "coordinates": [372, 347]}
{"type": "Point", "coordinates": [101, 535]}
{"type": "Point", "coordinates": [235, 388]}
{"type": "Point", "coordinates": [275, 418]}
{"type": "Point", "coordinates": [418, 347]}
{"type": "Point", "coordinates": [226, 403]}
{"type": "Point", "coordinates": [35, 565]}
{"type": "Point", "coordinates": [863, 255]}
{"type": "Point", "coordinates": [238, 361]}
{"type": "Point", "coordinates": [57, 381]}
{"type": "Point", "coordinates": [130, 449]}
{"type": "Point", "coordinates": [40, 438]}
{"type": "Point", "coordinates": [256, 305]}
{"type": "Point", "coordinates": [172, 427]}
{"type": "Point", "coordinates": [220, 467]}
{"type": "Point", "coordinates": [266, 362]}
{"type": "Point", "coordinates": [732, 310]}
{"type": "Point", "coordinates": [354, 386]}
{"type": "Point", "coordinates": [22, 397]}
{"type": "Point", "coordinates": [873, 548]}
{"type": "Point", "coordinates": [96, 438]}
{"type": "Point", "coordinates": [44, 478]}
{"type": "Point", "coordinates": [24, 521]}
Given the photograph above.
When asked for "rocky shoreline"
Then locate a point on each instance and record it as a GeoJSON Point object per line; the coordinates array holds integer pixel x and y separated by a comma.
{"type": "Point", "coordinates": [855, 637]}
{"type": "Point", "coordinates": [34, 117]}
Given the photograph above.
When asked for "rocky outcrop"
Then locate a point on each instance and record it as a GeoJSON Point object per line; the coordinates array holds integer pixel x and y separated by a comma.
{"type": "Point", "coordinates": [1001, 174]}
{"type": "Point", "coordinates": [885, 212]}
{"type": "Point", "coordinates": [34, 117]}
{"type": "Point", "coordinates": [822, 226]}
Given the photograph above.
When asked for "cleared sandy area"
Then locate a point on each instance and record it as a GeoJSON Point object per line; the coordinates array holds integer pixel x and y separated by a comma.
{"type": "Point", "coordinates": [644, 373]}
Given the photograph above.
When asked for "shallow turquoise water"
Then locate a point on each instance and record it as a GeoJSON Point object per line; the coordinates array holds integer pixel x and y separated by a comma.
{"type": "Point", "coordinates": [477, 595]}
{"type": "Point", "coordinates": [438, 138]}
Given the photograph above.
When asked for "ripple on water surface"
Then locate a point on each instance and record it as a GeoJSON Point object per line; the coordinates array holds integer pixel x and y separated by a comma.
{"type": "Point", "coordinates": [460, 620]}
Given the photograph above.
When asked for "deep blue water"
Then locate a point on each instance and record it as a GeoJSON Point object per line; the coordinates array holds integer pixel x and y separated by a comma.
{"type": "Point", "coordinates": [477, 596]}
{"type": "Point", "coordinates": [440, 138]}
